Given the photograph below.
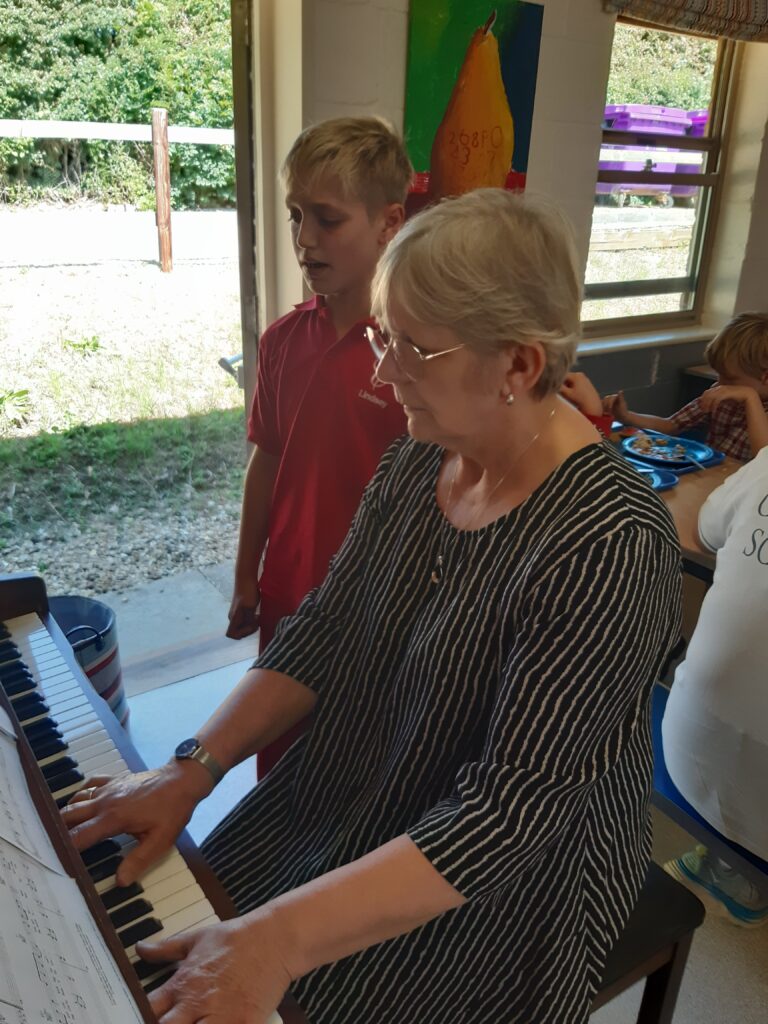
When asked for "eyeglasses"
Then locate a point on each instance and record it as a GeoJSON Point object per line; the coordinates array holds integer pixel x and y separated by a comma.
{"type": "Point", "coordinates": [409, 358]}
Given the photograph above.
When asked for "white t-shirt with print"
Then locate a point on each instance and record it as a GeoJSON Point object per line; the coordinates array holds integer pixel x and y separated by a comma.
{"type": "Point", "coordinates": [715, 728]}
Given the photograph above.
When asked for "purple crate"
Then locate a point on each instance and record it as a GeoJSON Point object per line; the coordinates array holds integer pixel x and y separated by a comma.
{"type": "Point", "coordinates": [699, 120]}
{"type": "Point", "coordinates": [643, 117]}
{"type": "Point", "coordinates": [640, 117]}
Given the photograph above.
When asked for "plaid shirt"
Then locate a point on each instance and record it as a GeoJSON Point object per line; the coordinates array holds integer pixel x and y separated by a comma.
{"type": "Point", "coordinates": [727, 426]}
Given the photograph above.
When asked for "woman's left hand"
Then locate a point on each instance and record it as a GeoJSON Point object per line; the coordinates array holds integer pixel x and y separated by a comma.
{"type": "Point", "coordinates": [229, 973]}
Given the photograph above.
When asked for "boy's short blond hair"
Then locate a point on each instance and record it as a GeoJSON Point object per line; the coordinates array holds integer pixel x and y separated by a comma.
{"type": "Point", "coordinates": [365, 154]}
{"type": "Point", "coordinates": [499, 269]}
{"type": "Point", "coordinates": [743, 340]}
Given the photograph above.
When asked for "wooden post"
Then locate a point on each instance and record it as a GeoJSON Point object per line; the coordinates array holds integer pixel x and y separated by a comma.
{"type": "Point", "coordinates": [162, 186]}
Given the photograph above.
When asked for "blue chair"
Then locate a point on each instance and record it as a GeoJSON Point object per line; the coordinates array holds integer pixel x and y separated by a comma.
{"type": "Point", "coordinates": [668, 798]}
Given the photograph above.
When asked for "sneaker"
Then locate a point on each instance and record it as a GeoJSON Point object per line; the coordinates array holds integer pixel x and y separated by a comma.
{"type": "Point", "coordinates": [726, 892]}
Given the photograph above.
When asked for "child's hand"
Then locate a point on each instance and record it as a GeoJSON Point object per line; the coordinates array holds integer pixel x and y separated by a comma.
{"type": "Point", "coordinates": [718, 393]}
{"type": "Point", "coordinates": [244, 612]}
{"type": "Point", "coordinates": [616, 406]}
{"type": "Point", "coordinates": [579, 390]}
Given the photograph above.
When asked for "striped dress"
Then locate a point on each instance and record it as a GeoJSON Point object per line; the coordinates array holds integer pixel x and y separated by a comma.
{"type": "Point", "coordinates": [499, 717]}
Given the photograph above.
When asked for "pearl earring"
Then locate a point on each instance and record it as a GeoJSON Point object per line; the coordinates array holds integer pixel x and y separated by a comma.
{"type": "Point", "coordinates": [510, 398]}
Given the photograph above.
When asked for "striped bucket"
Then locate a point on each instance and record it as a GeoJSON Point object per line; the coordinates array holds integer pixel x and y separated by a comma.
{"type": "Point", "coordinates": [91, 629]}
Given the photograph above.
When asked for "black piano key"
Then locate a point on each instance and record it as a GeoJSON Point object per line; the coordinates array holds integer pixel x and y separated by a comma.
{"type": "Point", "coordinates": [15, 670]}
{"type": "Point", "coordinates": [141, 930]}
{"type": "Point", "coordinates": [120, 894]}
{"type": "Point", "coordinates": [58, 766]}
{"type": "Point", "coordinates": [4, 632]}
{"type": "Point", "coordinates": [13, 687]}
{"type": "Point", "coordinates": [161, 979]}
{"type": "Point", "coordinates": [100, 851]}
{"type": "Point", "coordinates": [104, 868]}
{"type": "Point", "coordinates": [47, 747]}
{"type": "Point", "coordinates": [130, 912]}
{"type": "Point", "coordinates": [46, 728]}
{"type": "Point", "coordinates": [28, 705]}
{"type": "Point", "coordinates": [144, 969]}
{"type": "Point", "coordinates": [64, 779]}
{"type": "Point", "coordinates": [9, 651]}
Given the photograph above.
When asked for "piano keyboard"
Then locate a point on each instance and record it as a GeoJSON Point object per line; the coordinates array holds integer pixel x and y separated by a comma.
{"type": "Point", "coordinates": [70, 744]}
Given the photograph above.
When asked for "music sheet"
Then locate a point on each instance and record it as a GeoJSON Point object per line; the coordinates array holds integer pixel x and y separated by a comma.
{"type": "Point", "coordinates": [19, 821]}
{"type": "Point", "coordinates": [54, 965]}
{"type": "Point", "coordinates": [6, 726]}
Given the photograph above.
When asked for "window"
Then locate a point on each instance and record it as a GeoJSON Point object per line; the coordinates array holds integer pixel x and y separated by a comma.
{"type": "Point", "coordinates": [658, 179]}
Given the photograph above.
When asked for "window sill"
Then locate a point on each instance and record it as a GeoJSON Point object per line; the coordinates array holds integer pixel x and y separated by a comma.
{"type": "Point", "coordinates": [645, 339]}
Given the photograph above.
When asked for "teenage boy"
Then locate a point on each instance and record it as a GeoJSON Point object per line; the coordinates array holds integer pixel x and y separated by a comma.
{"type": "Point", "coordinates": [319, 424]}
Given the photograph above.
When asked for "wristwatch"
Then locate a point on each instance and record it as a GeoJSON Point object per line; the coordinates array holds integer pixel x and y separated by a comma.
{"type": "Point", "coordinates": [193, 750]}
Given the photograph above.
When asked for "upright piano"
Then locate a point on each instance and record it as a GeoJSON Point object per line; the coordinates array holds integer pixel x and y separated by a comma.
{"type": "Point", "coordinates": [55, 733]}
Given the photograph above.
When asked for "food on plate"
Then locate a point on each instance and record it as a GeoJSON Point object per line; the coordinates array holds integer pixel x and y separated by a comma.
{"type": "Point", "coordinates": [660, 448]}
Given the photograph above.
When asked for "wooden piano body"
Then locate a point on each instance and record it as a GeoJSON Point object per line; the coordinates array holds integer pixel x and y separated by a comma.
{"type": "Point", "coordinates": [66, 733]}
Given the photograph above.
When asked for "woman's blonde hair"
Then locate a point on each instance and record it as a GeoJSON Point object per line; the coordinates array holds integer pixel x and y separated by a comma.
{"type": "Point", "coordinates": [499, 269]}
{"type": "Point", "coordinates": [744, 339]}
{"type": "Point", "coordinates": [365, 154]}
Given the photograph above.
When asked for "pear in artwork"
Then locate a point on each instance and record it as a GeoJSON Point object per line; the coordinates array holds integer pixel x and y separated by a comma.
{"type": "Point", "coordinates": [474, 143]}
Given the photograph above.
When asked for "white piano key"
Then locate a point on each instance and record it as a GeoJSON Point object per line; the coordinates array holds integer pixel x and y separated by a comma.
{"type": "Point", "coordinates": [169, 886]}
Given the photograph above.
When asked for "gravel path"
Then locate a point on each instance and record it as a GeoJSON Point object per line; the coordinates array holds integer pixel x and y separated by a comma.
{"type": "Point", "coordinates": [114, 554]}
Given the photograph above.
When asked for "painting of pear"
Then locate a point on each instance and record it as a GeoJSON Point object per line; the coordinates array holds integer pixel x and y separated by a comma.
{"type": "Point", "coordinates": [474, 143]}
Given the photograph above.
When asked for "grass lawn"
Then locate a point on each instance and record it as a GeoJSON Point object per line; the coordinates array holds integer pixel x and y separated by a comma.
{"type": "Point", "coordinates": [67, 476]}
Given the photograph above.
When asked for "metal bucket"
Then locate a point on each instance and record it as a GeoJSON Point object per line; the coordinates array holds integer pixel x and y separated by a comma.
{"type": "Point", "coordinates": [91, 629]}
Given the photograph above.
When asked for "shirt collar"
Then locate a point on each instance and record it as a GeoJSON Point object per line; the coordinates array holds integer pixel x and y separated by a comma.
{"type": "Point", "coordinates": [317, 302]}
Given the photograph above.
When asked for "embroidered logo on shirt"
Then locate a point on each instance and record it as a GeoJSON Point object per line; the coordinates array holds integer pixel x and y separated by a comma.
{"type": "Point", "coordinates": [371, 398]}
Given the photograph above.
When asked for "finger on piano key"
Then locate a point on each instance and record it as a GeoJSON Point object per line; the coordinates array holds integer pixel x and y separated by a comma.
{"type": "Point", "coordinates": [192, 917]}
{"type": "Point", "coordinates": [171, 864]}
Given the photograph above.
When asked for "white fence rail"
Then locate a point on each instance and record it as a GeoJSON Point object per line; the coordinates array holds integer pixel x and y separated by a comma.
{"type": "Point", "coordinates": [10, 129]}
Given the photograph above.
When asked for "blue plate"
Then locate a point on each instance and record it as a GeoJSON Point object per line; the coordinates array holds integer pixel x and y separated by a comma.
{"type": "Point", "coordinates": [683, 451]}
{"type": "Point", "coordinates": [659, 479]}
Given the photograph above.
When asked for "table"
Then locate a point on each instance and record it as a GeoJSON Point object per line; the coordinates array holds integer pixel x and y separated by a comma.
{"type": "Point", "coordinates": [684, 502]}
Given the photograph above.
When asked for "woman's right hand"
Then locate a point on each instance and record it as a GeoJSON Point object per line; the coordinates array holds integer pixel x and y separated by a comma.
{"type": "Point", "coordinates": [152, 806]}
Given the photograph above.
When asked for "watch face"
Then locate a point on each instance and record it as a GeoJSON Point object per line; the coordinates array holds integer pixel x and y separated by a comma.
{"type": "Point", "coordinates": [187, 747]}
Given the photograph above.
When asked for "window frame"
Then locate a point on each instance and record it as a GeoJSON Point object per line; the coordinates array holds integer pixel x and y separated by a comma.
{"type": "Point", "coordinates": [714, 145]}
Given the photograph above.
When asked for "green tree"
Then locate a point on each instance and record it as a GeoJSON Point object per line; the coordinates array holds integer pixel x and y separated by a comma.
{"type": "Point", "coordinates": [661, 68]}
{"type": "Point", "coordinates": [90, 60]}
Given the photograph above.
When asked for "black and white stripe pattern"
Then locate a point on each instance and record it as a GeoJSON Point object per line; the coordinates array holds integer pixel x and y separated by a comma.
{"type": "Point", "coordinates": [500, 718]}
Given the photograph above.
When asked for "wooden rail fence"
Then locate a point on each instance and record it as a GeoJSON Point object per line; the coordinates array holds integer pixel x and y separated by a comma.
{"type": "Point", "coordinates": [159, 133]}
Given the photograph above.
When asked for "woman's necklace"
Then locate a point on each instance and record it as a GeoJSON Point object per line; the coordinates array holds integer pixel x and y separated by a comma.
{"type": "Point", "coordinates": [437, 572]}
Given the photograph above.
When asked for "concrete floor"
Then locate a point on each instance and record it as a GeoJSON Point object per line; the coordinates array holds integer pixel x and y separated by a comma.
{"type": "Point", "coordinates": [726, 980]}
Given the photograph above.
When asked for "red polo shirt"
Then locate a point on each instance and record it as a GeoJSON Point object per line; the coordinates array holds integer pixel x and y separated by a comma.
{"type": "Point", "coordinates": [316, 408]}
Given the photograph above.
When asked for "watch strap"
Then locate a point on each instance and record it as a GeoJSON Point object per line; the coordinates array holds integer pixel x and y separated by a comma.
{"type": "Point", "coordinates": [205, 758]}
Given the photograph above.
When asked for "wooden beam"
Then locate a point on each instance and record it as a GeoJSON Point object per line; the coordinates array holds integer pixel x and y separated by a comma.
{"type": "Point", "coordinates": [162, 186]}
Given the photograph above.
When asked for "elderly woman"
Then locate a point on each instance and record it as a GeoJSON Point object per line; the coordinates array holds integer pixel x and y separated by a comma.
{"type": "Point", "coordinates": [462, 833]}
